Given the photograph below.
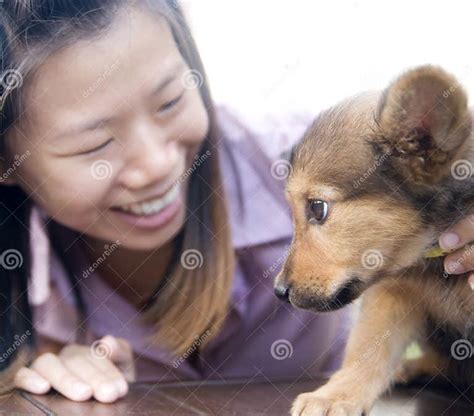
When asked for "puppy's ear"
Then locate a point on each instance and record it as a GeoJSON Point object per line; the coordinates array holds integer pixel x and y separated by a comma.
{"type": "Point", "coordinates": [425, 123]}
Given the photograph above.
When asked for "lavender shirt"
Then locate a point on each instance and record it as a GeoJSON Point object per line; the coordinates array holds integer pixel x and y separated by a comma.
{"type": "Point", "coordinates": [262, 336]}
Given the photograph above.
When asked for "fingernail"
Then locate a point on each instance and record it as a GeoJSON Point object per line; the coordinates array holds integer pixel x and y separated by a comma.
{"type": "Point", "coordinates": [454, 267]}
{"type": "Point", "coordinates": [449, 241]}
{"type": "Point", "coordinates": [107, 392]}
{"type": "Point", "coordinates": [40, 385]}
{"type": "Point", "coordinates": [81, 389]}
{"type": "Point", "coordinates": [122, 386]}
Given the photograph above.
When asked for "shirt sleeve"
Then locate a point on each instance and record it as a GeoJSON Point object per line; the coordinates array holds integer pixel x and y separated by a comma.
{"type": "Point", "coordinates": [275, 134]}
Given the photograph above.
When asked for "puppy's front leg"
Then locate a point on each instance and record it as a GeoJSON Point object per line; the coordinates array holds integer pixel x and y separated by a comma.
{"type": "Point", "coordinates": [389, 319]}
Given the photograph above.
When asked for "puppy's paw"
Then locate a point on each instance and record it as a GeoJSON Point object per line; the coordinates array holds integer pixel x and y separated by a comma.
{"type": "Point", "coordinates": [313, 404]}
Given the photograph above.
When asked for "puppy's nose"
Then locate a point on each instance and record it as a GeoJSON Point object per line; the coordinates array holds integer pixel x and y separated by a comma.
{"type": "Point", "coordinates": [283, 292]}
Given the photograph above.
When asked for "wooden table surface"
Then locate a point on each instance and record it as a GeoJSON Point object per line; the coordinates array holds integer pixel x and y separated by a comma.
{"type": "Point", "coordinates": [233, 398]}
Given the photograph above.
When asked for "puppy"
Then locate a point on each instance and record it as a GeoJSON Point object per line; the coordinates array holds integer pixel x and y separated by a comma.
{"type": "Point", "coordinates": [374, 182]}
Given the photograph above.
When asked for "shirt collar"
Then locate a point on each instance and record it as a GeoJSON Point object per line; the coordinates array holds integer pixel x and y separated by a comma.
{"type": "Point", "coordinates": [39, 289]}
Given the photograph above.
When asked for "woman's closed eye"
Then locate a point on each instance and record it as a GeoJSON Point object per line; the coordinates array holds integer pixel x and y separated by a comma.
{"type": "Point", "coordinates": [96, 149]}
{"type": "Point", "coordinates": [170, 104]}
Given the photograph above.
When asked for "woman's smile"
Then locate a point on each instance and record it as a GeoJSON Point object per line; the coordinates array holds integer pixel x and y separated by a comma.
{"type": "Point", "coordinates": [155, 213]}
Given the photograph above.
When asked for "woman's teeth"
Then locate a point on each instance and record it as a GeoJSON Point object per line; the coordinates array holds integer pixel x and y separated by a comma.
{"type": "Point", "coordinates": [154, 206]}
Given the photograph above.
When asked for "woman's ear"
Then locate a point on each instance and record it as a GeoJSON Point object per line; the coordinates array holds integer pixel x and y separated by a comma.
{"type": "Point", "coordinates": [426, 123]}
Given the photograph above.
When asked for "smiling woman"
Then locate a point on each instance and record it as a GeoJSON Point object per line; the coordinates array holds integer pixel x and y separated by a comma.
{"type": "Point", "coordinates": [165, 216]}
{"type": "Point", "coordinates": [147, 112]}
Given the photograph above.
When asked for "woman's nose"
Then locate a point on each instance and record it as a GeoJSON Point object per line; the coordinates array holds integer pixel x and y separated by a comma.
{"type": "Point", "coordinates": [151, 160]}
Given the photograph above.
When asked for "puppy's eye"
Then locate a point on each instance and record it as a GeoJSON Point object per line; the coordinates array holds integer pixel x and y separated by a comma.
{"type": "Point", "coordinates": [317, 211]}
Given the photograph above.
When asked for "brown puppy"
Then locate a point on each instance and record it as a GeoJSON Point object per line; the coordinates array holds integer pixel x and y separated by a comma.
{"type": "Point", "coordinates": [374, 183]}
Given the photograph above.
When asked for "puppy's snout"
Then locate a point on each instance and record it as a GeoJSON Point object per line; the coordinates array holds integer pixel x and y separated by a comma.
{"type": "Point", "coordinates": [282, 290]}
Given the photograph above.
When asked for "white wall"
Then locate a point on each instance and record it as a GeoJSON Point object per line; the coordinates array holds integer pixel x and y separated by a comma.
{"type": "Point", "coordinates": [273, 56]}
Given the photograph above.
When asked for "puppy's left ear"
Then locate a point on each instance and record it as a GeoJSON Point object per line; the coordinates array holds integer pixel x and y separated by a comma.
{"type": "Point", "coordinates": [425, 123]}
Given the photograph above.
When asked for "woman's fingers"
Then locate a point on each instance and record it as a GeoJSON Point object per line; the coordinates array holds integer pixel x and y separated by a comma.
{"type": "Point", "coordinates": [119, 351]}
{"type": "Point", "coordinates": [458, 238]}
{"type": "Point", "coordinates": [79, 372]}
{"type": "Point", "coordinates": [29, 380]}
{"type": "Point", "coordinates": [460, 261]}
{"type": "Point", "coordinates": [458, 235]}
{"type": "Point", "coordinates": [51, 368]}
{"type": "Point", "coordinates": [106, 381]}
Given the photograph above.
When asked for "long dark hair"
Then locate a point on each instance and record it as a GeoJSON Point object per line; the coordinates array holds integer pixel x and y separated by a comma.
{"type": "Point", "coordinates": [30, 31]}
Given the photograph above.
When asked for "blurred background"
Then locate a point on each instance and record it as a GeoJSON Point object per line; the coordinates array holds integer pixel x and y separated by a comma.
{"type": "Point", "coordinates": [272, 57]}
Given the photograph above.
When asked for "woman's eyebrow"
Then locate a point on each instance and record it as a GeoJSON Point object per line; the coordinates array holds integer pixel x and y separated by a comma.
{"type": "Point", "coordinates": [95, 124]}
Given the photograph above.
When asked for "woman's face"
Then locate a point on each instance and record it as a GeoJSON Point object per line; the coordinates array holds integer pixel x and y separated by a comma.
{"type": "Point", "coordinates": [112, 122]}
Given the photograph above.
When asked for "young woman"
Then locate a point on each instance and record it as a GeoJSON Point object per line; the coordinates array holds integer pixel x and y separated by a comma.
{"type": "Point", "coordinates": [141, 228]}
{"type": "Point", "coordinates": [106, 106]}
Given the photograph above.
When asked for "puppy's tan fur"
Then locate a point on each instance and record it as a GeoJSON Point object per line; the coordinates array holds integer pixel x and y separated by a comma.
{"type": "Point", "coordinates": [385, 162]}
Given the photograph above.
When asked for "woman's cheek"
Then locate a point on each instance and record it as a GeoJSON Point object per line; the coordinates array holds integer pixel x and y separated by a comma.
{"type": "Point", "coordinates": [194, 122]}
{"type": "Point", "coordinates": [75, 189]}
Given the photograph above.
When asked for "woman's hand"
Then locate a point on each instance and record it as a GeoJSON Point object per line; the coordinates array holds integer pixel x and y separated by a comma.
{"type": "Point", "coordinates": [458, 238]}
{"type": "Point", "coordinates": [80, 372]}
